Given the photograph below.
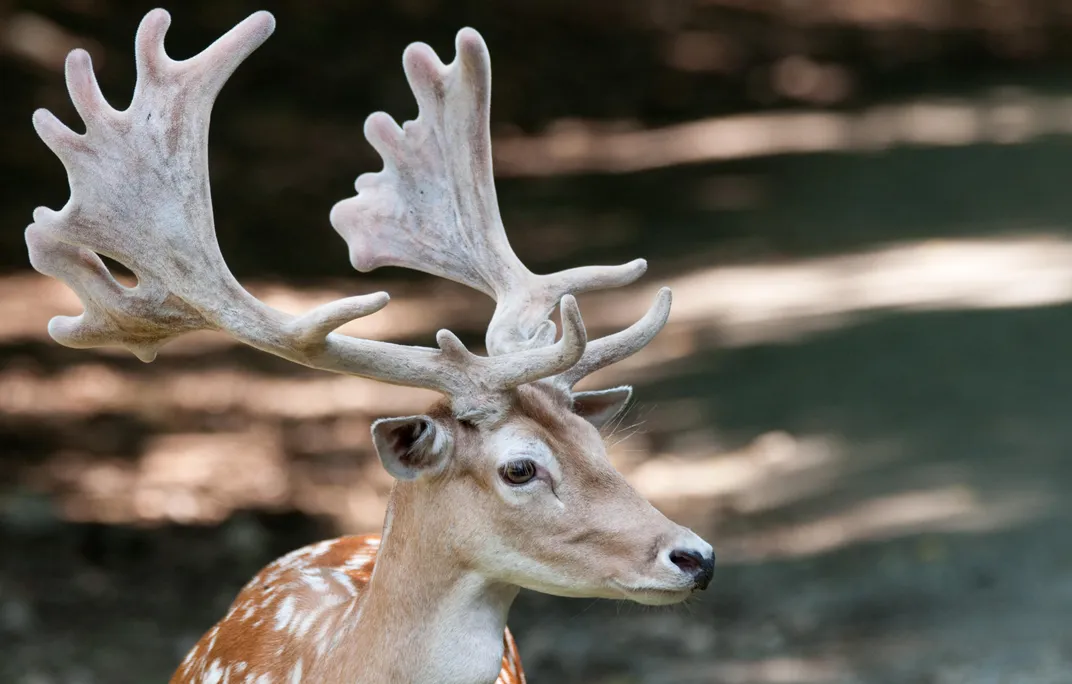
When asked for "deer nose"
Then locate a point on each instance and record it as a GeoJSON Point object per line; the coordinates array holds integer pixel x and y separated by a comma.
{"type": "Point", "coordinates": [699, 566]}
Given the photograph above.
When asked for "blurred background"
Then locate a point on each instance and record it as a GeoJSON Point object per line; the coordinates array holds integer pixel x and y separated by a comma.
{"type": "Point", "coordinates": [862, 397]}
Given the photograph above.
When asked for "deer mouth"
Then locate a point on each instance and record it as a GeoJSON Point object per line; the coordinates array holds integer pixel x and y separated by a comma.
{"type": "Point", "coordinates": [653, 595]}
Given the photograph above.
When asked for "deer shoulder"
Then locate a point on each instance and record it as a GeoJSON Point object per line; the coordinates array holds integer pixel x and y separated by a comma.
{"type": "Point", "coordinates": [294, 612]}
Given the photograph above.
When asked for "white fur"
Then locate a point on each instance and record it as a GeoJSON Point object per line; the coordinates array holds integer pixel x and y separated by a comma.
{"type": "Point", "coordinates": [467, 643]}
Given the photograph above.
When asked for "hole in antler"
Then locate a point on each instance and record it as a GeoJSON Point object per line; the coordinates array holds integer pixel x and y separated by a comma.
{"type": "Point", "coordinates": [120, 272]}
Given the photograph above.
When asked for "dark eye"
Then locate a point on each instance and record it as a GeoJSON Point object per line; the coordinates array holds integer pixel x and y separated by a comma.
{"type": "Point", "coordinates": [518, 472]}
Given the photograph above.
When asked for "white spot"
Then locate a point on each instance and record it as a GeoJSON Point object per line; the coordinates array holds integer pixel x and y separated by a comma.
{"type": "Point", "coordinates": [295, 674]}
{"type": "Point", "coordinates": [322, 638]}
{"type": "Point", "coordinates": [349, 609]}
{"type": "Point", "coordinates": [240, 667]}
{"type": "Point", "coordinates": [289, 559]}
{"type": "Point", "coordinates": [303, 626]}
{"type": "Point", "coordinates": [315, 581]}
{"type": "Point", "coordinates": [320, 548]}
{"type": "Point", "coordinates": [214, 674]}
{"type": "Point", "coordinates": [286, 612]}
{"type": "Point", "coordinates": [357, 561]}
{"type": "Point", "coordinates": [344, 579]}
{"type": "Point", "coordinates": [295, 624]}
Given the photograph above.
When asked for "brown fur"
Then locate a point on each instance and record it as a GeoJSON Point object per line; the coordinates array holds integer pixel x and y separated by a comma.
{"type": "Point", "coordinates": [252, 640]}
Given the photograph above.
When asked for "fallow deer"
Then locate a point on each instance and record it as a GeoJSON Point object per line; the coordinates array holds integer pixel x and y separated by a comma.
{"type": "Point", "coordinates": [503, 484]}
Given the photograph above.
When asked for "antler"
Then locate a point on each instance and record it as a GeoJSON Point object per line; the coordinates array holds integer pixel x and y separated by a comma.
{"type": "Point", "coordinates": [140, 195]}
{"type": "Point", "coordinates": [433, 209]}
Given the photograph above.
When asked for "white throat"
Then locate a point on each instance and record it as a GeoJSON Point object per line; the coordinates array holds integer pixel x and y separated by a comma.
{"type": "Point", "coordinates": [437, 623]}
{"type": "Point", "coordinates": [465, 633]}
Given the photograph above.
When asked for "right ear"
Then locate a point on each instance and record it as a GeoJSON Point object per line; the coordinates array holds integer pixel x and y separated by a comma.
{"type": "Point", "coordinates": [412, 446]}
{"type": "Point", "coordinates": [602, 406]}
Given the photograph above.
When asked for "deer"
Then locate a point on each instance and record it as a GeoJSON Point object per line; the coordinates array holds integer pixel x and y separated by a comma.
{"type": "Point", "coordinates": [503, 484]}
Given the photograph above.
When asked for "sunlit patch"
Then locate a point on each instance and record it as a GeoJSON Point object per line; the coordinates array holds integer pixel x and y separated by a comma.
{"type": "Point", "coordinates": [40, 40]}
{"type": "Point", "coordinates": [573, 147]}
{"type": "Point", "coordinates": [788, 302]}
{"type": "Point", "coordinates": [947, 509]}
{"type": "Point", "coordinates": [783, 670]}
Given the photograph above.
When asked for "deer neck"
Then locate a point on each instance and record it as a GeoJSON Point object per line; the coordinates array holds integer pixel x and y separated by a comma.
{"type": "Point", "coordinates": [425, 617]}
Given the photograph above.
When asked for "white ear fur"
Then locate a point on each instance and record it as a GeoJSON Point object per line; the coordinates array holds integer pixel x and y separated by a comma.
{"type": "Point", "coordinates": [411, 446]}
{"type": "Point", "coordinates": [602, 406]}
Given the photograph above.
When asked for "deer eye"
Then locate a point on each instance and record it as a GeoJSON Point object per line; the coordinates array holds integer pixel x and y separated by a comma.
{"type": "Point", "coordinates": [518, 472]}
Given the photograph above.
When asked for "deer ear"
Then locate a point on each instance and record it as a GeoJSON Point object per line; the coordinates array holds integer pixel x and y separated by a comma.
{"type": "Point", "coordinates": [412, 446]}
{"type": "Point", "coordinates": [603, 406]}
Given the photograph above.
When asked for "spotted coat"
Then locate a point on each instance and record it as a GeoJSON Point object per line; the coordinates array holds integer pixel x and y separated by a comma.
{"type": "Point", "coordinates": [295, 611]}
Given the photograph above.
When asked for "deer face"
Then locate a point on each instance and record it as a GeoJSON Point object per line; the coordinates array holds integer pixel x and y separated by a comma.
{"type": "Point", "coordinates": [531, 499]}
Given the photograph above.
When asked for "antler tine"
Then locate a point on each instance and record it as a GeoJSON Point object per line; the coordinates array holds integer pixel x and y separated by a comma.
{"type": "Point", "coordinates": [433, 207]}
{"type": "Point", "coordinates": [140, 195]}
{"type": "Point", "coordinates": [620, 345]}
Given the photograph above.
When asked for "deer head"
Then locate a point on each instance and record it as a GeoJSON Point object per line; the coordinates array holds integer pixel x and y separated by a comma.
{"type": "Point", "coordinates": [507, 476]}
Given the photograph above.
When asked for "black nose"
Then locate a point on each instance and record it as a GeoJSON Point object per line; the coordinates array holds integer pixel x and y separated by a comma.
{"type": "Point", "coordinates": [702, 568]}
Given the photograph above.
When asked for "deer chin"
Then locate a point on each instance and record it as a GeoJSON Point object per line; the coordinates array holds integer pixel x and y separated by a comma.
{"type": "Point", "coordinates": [653, 594]}
{"type": "Point", "coordinates": [644, 592]}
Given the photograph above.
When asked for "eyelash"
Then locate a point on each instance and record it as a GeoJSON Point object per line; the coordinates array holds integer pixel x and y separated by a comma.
{"type": "Point", "coordinates": [537, 472]}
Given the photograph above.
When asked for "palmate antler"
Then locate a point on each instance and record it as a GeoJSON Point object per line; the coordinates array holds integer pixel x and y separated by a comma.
{"type": "Point", "coordinates": [140, 195]}
{"type": "Point", "coordinates": [433, 208]}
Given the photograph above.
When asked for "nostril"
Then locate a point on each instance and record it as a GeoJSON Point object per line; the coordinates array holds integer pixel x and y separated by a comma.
{"type": "Point", "coordinates": [688, 561]}
{"type": "Point", "coordinates": [700, 567]}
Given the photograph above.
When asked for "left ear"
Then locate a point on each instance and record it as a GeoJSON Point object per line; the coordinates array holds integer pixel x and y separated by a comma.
{"type": "Point", "coordinates": [412, 446]}
{"type": "Point", "coordinates": [602, 406]}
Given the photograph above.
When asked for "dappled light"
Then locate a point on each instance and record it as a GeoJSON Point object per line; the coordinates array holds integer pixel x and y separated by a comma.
{"type": "Point", "coordinates": [681, 478]}
{"type": "Point", "coordinates": [861, 396]}
{"type": "Point", "coordinates": [574, 147]}
{"type": "Point", "coordinates": [90, 389]}
{"type": "Point", "coordinates": [178, 478]}
{"type": "Point", "coordinates": [759, 303]}
{"type": "Point", "coordinates": [774, 671]}
{"type": "Point", "coordinates": [205, 478]}
{"type": "Point", "coordinates": [742, 305]}
{"type": "Point", "coordinates": [40, 40]}
{"type": "Point", "coordinates": [951, 509]}
{"type": "Point", "coordinates": [203, 436]}
{"type": "Point", "coordinates": [192, 478]}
